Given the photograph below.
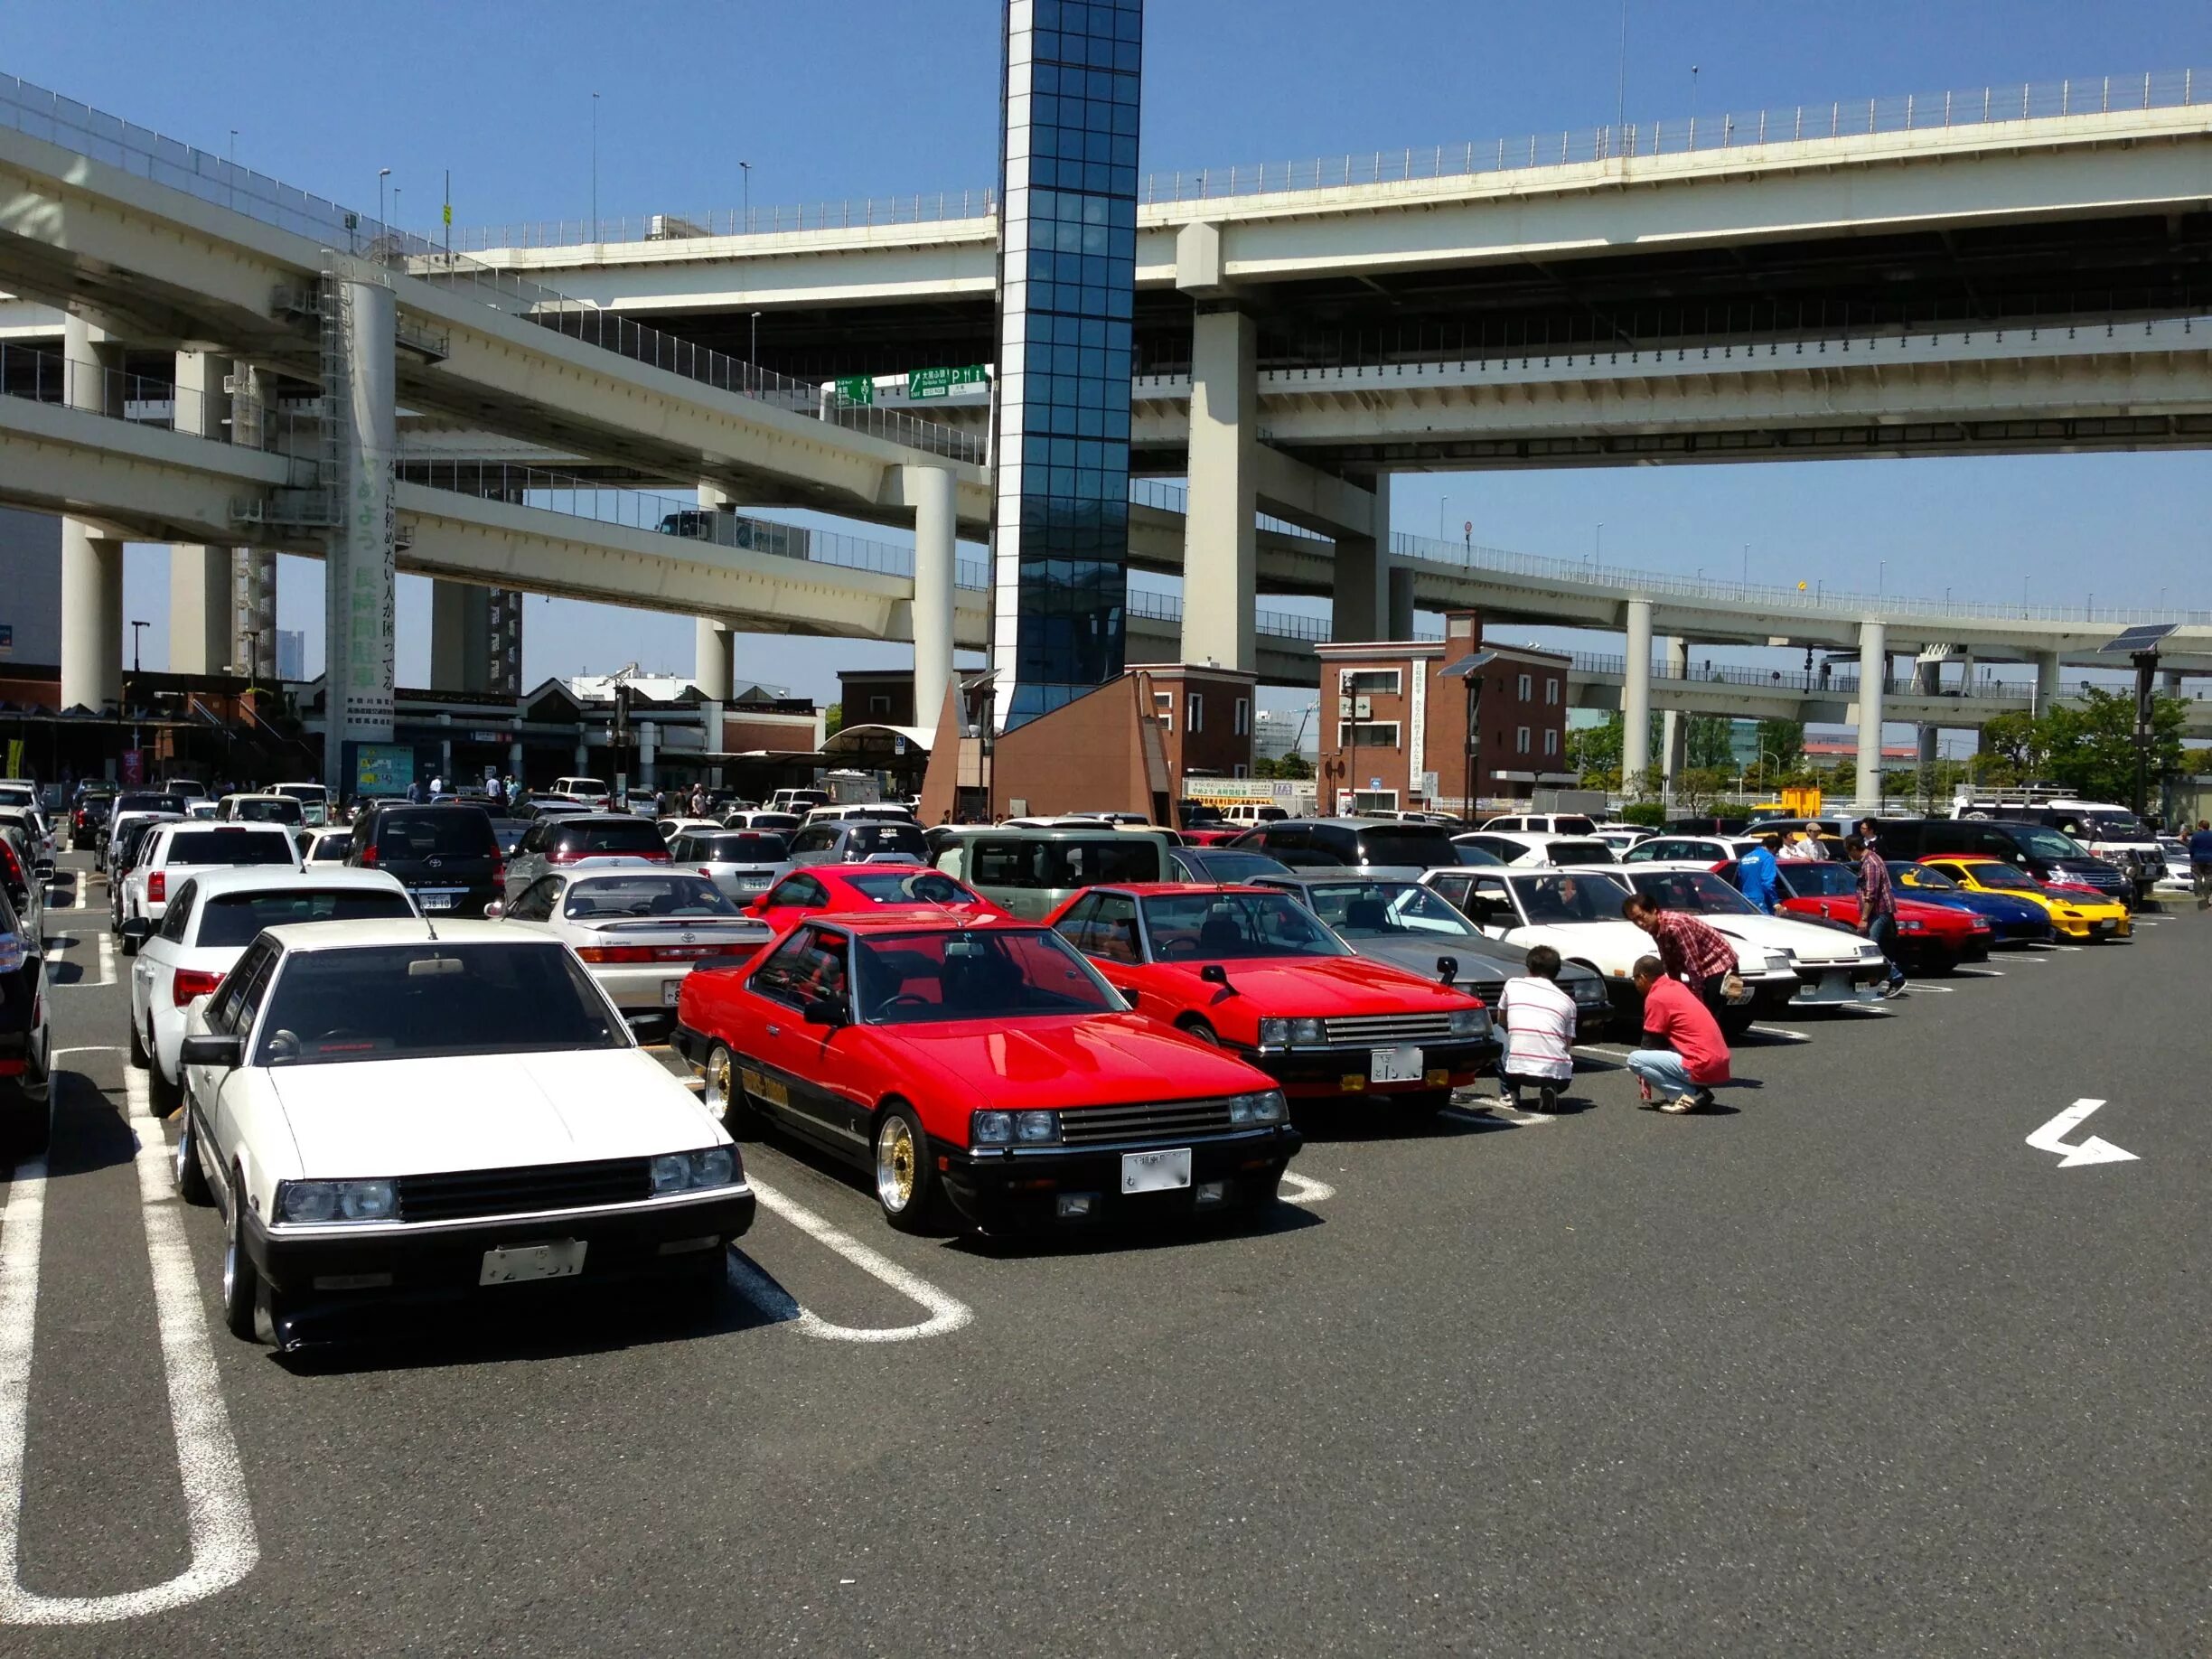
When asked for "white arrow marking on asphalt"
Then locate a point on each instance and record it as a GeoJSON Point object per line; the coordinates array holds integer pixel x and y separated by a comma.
{"type": "Point", "coordinates": [2051, 1138]}
{"type": "Point", "coordinates": [1303, 1190]}
{"type": "Point", "coordinates": [946, 1313]}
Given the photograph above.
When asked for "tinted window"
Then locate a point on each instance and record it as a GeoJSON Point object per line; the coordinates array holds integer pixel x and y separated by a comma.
{"type": "Point", "coordinates": [438, 833]}
{"type": "Point", "coordinates": [331, 849]}
{"type": "Point", "coordinates": [645, 896]}
{"type": "Point", "coordinates": [632, 836]}
{"type": "Point", "coordinates": [887, 837]}
{"type": "Point", "coordinates": [1372, 909]}
{"type": "Point", "coordinates": [808, 966]}
{"type": "Point", "coordinates": [1550, 899]}
{"type": "Point", "coordinates": [177, 918]}
{"type": "Point", "coordinates": [1820, 880]}
{"type": "Point", "coordinates": [912, 977]}
{"type": "Point", "coordinates": [389, 1002]}
{"type": "Point", "coordinates": [1697, 892]}
{"type": "Point", "coordinates": [1226, 863]}
{"type": "Point", "coordinates": [911, 887]}
{"type": "Point", "coordinates": [229, 847]}
{"type": "Point", "coordinates": [821, 839]}
{"type": "Point", "coordinates": [1214, 926]}
{"type": "Point", "coordinates": [744, 847]}
{"type": "Point", "coordinates": [803, 891]}
{"type": "Point", "coordinates": [1579, 852]}
{"type": "Point", "coordinates": [148, 803]}
{"type": "Point", "coordinates": [232, 919]}
{"type": "Point", "coordinates": [284, 810]}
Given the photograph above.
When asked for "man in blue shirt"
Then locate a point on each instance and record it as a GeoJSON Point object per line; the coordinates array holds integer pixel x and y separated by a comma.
{"type": "Point", "coordinates": [2200, 862]}
{"type": "Point", "coordinates": [1758, 875]}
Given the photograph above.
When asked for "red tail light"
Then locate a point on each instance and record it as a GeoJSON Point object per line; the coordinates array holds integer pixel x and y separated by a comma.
{"type": "Point", "coordinates": [499, 872]}
{"type": "Point", "coordinates": [157, 885]}
{"type": "Point", "coordinates": [616, 953]}
{"type": "Point", "coordinates": [563, 854]}
{"type": "Point", "coordinates": [658, 954]}
{"type": "Point", "coordinates": [194, 983]}
{"type": "Point", "coordinates": [369, 853]}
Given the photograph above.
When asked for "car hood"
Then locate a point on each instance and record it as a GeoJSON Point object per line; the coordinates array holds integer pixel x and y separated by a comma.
{"type": "Point", "coordinates": [485, 1112]}
{"type": "Point", "coordinates": [1612, 946]}
{"type": "Point", "coordinates": [1066, 1061]}
{"type": "Point", "coordinates": [1323, 985]}
{"type": "Point", "coordinates": [1479, 958]}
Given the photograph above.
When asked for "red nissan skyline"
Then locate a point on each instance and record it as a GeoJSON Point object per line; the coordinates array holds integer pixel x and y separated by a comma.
{"type": "Point", "coordinates": [834, 888]}
{"type": "Point", "coordinates": [1930, 938]}
{"type": "Point", "coordinates": [983, 1073]}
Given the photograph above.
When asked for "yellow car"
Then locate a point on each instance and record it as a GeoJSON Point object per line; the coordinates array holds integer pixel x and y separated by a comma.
{"type": "Point", "coordinates": [2076, 915]}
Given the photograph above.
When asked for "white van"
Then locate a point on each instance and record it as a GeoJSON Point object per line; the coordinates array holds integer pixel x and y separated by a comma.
{"type": "Point", "coordinates": [590, 791]}
{"type": "Point", "coordinates": [1253, 813]}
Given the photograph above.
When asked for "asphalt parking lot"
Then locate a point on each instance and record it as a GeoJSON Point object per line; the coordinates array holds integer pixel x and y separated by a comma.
{"type": "Point", "coordinates": [1846, 1366]}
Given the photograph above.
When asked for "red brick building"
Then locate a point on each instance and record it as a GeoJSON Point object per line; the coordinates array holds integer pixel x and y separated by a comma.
{"type": "Point", "coordinates": [1206, 714]}
{"type": "Point", "coordinates": [1394, 727]}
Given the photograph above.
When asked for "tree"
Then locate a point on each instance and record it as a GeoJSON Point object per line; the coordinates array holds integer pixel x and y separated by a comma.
{"type": "Point", "coordinates": [2090, 746]}
{"type": "Point", "coordinates": [1595, 750]}
{"type": "Point", "coordinates": [1292, 765]}
{"type": "Point", "coordinates": [833, 719]}
{"type": "Point", "coordinates": [2013, 744]}
{"type": "Point", "coordinates": [1696, 788]}
{"type": "Point", "coordinates": [1710, 743]}
{"type": "Point", "coordinates": [1782, 742]}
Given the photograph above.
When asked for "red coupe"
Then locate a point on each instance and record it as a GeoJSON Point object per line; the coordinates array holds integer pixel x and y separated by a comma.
{"type": "Point", "coordinates": [1253, 970]}
{"type": "Point", "coordinates": [982, 1065]}
{"type": "Point", "coordinates": [837, 888]}
{"type": "Point", "coordinates": [1930, 938]}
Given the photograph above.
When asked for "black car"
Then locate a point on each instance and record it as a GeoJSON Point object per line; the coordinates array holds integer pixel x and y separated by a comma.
{"type": "Point", "coordinates": [89, 822]}
{"type": "Point", "coordinates": [1352, 843]}
{"type": "Point", "coordinates": [446, 856]}
{"type": "Point", "coordinates": [2047, 855]}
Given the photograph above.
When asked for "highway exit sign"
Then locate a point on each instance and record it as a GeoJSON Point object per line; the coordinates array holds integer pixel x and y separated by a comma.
{"type": "Point", "coordinates": [944, 382]}
{"type": "Point", "coordinates": [856, 388]}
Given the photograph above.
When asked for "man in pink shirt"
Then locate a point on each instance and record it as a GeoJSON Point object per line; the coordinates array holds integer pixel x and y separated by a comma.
{"type": "Point", "coordinates": [1688, 1054]}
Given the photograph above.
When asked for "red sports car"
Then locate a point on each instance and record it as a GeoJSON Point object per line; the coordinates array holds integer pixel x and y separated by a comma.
{"type": "Point", "coordinates": [837, 888]}
{"type": "Point", "coordinates": [1253, 970]}
{"type": "Point", "coordinates": [1930, 938]}
{"type": "Point", "coordinates": [983, 1065]}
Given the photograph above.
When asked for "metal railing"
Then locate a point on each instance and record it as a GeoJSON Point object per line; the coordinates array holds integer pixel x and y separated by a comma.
{"type": "Point", "coordinates": [39, 375]}
{"type": "Point", "coordinates": [1175, 498]}
{"type": "Point", "coordinates": [143, 154]}
{"type": "Point", "coordinates": [1852, 121]}
{"type": "Point", "coordinates": [1617, 581]}
{"type": "Point", "coordinates": [1267, 624]}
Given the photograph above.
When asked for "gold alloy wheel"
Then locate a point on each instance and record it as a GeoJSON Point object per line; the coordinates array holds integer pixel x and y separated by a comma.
{"type": "Point", "coordinates": [894, 1165]}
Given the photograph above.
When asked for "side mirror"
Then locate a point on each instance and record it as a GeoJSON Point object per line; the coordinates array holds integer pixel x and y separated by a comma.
{"type": "Point", "coordinates": [495, 911]}
{"type": "Point", "coordinates": [826, 1011]}
{"type": "Point", "coordinates": [1213, 973]}
{"type": "Point", "coordinates": [1448, 969]}
{"type": "Point", "coordinates": [227, 1052]}
{"type": "Point", "coordinates": [138, 930]}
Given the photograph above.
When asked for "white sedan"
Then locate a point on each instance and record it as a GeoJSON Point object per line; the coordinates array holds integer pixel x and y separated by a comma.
{"type": "Point", "coordinates": [1833, 964]}
{"type": "Point", "coordinates": [640, 929]}
{"type": "Point", "coordinates": [1537, 848]}
{"type": "Point", "coordinates": [211, 919]}
{"type": "Point", "coordinates": [387, 1107]}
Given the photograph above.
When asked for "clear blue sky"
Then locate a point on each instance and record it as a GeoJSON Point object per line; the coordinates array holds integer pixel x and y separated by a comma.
{"type": "Point", "coordinates": [863, 97]}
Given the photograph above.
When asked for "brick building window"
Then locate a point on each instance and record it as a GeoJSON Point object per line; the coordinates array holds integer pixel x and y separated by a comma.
{"type": "Point", "coordinates": [1521, 740]}
{"type": "Point", "coordinates": [1194, 712]}
{"type": "Point", "coordinates": [1367, 735]}
{"type": "Point", "coordinates": [1368, 683]}
{"type": "Point", "coordinates": [1526, 683]}
{"type": "Point", "coordinates": [1551, 688]}
{"type": "Point", "coordinates": [1244, 716]}
{"type": "Point", "coordinates": [1551, 743]}
{"type": "Point", "coordinates": [1163, 705]}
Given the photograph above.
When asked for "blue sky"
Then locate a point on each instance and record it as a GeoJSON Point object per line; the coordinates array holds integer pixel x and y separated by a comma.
{"type": "Point", "coordinates": [864, 96]}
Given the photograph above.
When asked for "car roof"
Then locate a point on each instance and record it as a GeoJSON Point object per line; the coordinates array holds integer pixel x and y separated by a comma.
{"type": "Point", "coordinates": [351, 935]}
{"type": "Point", "coordinates": [1682, 866]}
{"type": "Point", "coordinates": [235, 827]}
{"type": "Point", "coordinates": [1329, 879]}
{"type": "Point", "coordinates": [629, 870]}
{"type": "Point", "coordinates": [922, 918]}
{"type": "Point", "coordinates": [224, 879]}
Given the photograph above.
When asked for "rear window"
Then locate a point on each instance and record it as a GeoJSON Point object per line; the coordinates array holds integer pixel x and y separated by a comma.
{"type": "Point", "coordinates": [229, 847]}
{"type": "Point", "coordinates": [1064, 864]}
{"type": "Point", "coordinates": [440, 832]}
{"type": "Point", "coordinates": [232, 919]}
{"type": "Point", "coordinates": [633, 836]}
{"type": "Point", "coordinates": [1579, 852]}
{"type": "Point", "coordinates": [1569, 823]}
{"type": "Point", "coordinates": [880, 837]}
{"type": "Point", "coordinates": [282, 811]}
{"type": "Point", "coordinates": [1408, 844]}
{"type": "Point", "coordinates": [148, 803]}
{"type": "Point", "coordinates": [744, 848]}
{"type": "Point", "coordinates": [775, 820]}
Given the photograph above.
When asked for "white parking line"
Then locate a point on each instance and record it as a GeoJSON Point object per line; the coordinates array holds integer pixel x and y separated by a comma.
{"type": "Point", "coordinates": [947, 1313]}
{"type": "Point", "coordinates": [1971, 973]}
{"type": "Point", "coordinates": [1777, 1031]}
{"type": "Point", "coordinates": [218, 1518]}
{"type": "Point", "coordinates": [1922, 989]}
{"type": "Point", "coordinates": [1304, 1191]}
{"type": "Point", "coordinates": [1610, 1051]}
{"type": "Point", "coordinates": [1861, 1008]}
{"type": "Point", "coordinates": [107, 963]}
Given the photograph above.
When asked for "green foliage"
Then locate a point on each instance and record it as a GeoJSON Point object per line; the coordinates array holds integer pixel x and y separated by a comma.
{"type": "Point", "coordinates": [2087, 747]}
{"type": "Point", "coordinates": [1783, 744]}
{"type": "Point", "coordinates": [1710, 745]}
{"type": "Point", "coordinates": [1594, 751]}
{"type": "Point", "coordinates": [1696, 788]}
{"type": "Point", "coordinates": [1649, 813]}
{"type": "Point", "coordinates": [1293, 765]}
{"type": "Point", "coordinates": [833, 719]}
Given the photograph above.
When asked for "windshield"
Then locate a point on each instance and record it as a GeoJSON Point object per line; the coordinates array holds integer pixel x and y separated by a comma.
{"type": "Point", "coordinates": [1381, 909]}
{"type": "Point", "coordinates": [230, 920]}
{"type": "Point", "coordinates": [773, 820]}
{"type": "Point", "coordinates": [1809, 880]}
{"type": "Point", "coordinates": [150, 803]}
{"type": "Point", "coordinates": [1570, 823]}
{"type": "Point", "coordinates": [331, 849]}
{"type": "Point", "coordinates": [311, 794]}
{"type": "Point", "coordinates": [2113, 827]}
{"type": "Point", "coordinates": [871, 835]}
{"type": "Point", "coordinates": [1414, 846]}
{"type": "Point", "coordinates": [1919, 876]}
{"type": "Point", "coordinates": [1226, 926]}
{"type": "Point", "coordinates": [1226, 863]}
{"type": "Point", "coordinates": [284, 810]}
{"type": "Point", "coordinates": [2001, 876]}
{"type": "Point", "coordinates": [229, 847]}
{"type": "Point", "coordinates": [416, 1001]}
{"type": "Point", "coordinates": [608, 840]}
{"type": "Point", "coordinates": [896, 886]}
{"type": "Point", "coordinates": [1579, 852]}
{"type": "Point", "coordinates": [913, 979]}
{"type": "Point", "coordinates": [742, 847]}
{"type": "Point", "coordinates": [1548, 900]}
{"type": "Point", "coordinates": [1075, 862]}
{"type": "Point", "coordinates": [1698, 892]}
{"type": "Point", "coordinates": [2041, 843]}
{"type": "Point", "coordinates": [605, 898]}
{"type": "Point", "coordinates": [1467, 852]}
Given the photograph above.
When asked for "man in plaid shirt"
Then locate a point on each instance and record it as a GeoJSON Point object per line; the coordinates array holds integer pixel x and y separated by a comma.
{"type": "Point", "coordinates": [1693, 952]}
{"type": "Point", "coordinates": [1878, 907]}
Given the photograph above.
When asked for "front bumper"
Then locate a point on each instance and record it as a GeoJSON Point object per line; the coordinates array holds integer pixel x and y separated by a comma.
{"type": "Point", "coordinates": [1829, 984]}
{"type": "Point", "coordinates": [448, 1256]}
{"type": "Point", "coordinates": [1020, 1188]}
{"type": "Point", "coordinates": [1326, 1073]}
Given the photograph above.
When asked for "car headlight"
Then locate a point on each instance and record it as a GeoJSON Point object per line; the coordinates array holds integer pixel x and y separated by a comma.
{"type": "Point", "coordinates": [1266, 1107]}
{"type": "Point", "coordinates": [1591, 993]}
{"type": "Point", "coordinates": [1781, 961]}
{"type": "Point", "coordinates": [1470, 1022]}
{"type": "Point", "coordinates": [677, 1172]}
{"type": "Point", "coordinates": [1036, 1127]}
{"type": "Point", "coordinates": [1912, 927]}
{"type": "Point", "coordinates": [335, 1201]}
{"type": "Point", "coordinates": [1274, 1033]}
{"type": "Point", "coordinates": [1286, 1033]}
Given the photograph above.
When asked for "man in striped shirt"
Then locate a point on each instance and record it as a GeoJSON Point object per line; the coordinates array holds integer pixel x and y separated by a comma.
{"type": "Point", "coordinates": [1540, 1031]}
{"type": "Point", "coordinates": [1693, 952]}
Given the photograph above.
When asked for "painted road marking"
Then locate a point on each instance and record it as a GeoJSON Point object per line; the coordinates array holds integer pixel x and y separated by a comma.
{"type": "Point", "coordinates": [1610, 1051]}
{"type": "Point", "coordinates": [1494, 1114]}
{"type": "Point", "coordinates": [1777, 1031]}
{"type": "Point", "coordinates": [1923, 989]}
{"type": "Point", "coordinates": [2051, 1138]}
{"type": "Point", "coordinates": [947, 1313]}
{"type": "Point", "coordinates": [1861, 1008]}
{"type": "Point", "coordinates": [106, 968]}
{"type": "Point", "coordinates": [1303, 1190]}
{"type": "Point", "coordinates": [218, 1518]}
{"type": "Point", "coordinates": [1973, 974]}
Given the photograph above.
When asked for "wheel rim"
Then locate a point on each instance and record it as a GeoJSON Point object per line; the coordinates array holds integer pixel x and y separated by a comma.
{"type": "Point", "coordinates": [230, 1269]}
{"type": "Point", "coordinates": [896, 1165]}
{"type": "Point", "coordinates": [717, 1092]}
{"type": "Point", "coordinates": [183, 1148]}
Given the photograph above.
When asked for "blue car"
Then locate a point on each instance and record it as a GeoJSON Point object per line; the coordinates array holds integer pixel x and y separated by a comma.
{"type": "Point", "coordinates": [2011, 921]}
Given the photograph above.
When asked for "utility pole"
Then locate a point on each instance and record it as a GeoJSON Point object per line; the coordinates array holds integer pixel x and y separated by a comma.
{"type": "Point", "coordinates": [745, 169]}
{"type": "Point", "coordinates": [594, 167]}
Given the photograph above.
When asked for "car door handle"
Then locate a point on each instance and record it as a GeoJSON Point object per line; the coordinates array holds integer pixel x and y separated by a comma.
{"type": "Point", "coordinates": [775, 1031]}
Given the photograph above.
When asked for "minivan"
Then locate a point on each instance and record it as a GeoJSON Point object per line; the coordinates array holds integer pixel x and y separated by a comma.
{"type": "Point", "coordinates": [446, 857]}
{"type": "Point", "coordinates": [1353, 843]}
{"type": "Point", "coordinates": [2046, 854]}
{"type": "Point", "coordinates": [1033, 872]}
{"type": "Point", "coordinates": [855, 840]}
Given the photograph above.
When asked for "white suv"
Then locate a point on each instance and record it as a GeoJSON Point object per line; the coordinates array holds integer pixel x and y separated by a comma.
{"type": "Point", "coordinates": [590, 791]}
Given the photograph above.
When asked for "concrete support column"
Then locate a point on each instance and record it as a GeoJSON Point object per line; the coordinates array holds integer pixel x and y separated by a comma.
{"type": "Point", "coordinates": [2046, 680]}
{"type": "Point", "coordinates": [930, 488]}
{"type": "Point", "coordinates": [2169, 682]}
{"type": "Point", "coordinates": [91, 564]}
{"type": "Point", "coordinates": [649, 750]}
{"type": "Point", "coordinates": [714, 660]}
{"type": "Point", "coordinates": [199, 576]}
{"type": "Point", "coordinates": [1673, 725]}
{"type": "Point", "coordinates": [1927, 681]}
{"type": "Point", "coordinates": [253, 570]}
{"type": "Point", "coordinates": [1360, 603]}
{"type": "Point", "coordinates": [1220, 539]}
{"type": "Point", "coordinates": [1873, 682]}
{"type": "Point", "coordinates": [360, 567]}
{"type": "Point", "coordinates": [1400, 603]}
{"type": "Point", "coordinates": [461, 644]}
{"type": "Point", "coordinates": [1635, 694]}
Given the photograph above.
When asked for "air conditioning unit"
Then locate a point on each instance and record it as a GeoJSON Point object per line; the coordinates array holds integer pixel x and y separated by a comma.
{"type": "Point", "coordinates": [1363, 707]}
{"type": "Point", "coordinates": [1344, 708]}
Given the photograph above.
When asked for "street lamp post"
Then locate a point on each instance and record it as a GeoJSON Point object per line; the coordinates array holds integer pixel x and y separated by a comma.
{"type": "Point", "coordinates": [382, 174]}
{"type": "Point", "coordinates": [595, 166]}
{"type": "Point", "coordinates": [137, 635]}
{"type": "Point", "coordinates": [744, 170]}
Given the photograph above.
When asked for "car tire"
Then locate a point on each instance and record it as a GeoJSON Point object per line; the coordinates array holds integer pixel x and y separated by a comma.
{"type": "Point", "coordinates": [163, 1096]}
{"type": "Point", "coordinates": [138, 1055]}
{"type": "Point", "coordinates": [905, 1180]}
{"type": "Point", "coordinates": [241, 1281]}
{"type": "Point", "coordinates": [33, 1118]}
{"type": "Point", "coordinates": [1198, 1028]}
{"type": "Point", "coordinates": [723, 1095]}
{"type": "Point", "coordinates": [1735, 1021]}
{"type": "Point", "coordinates": [189, 1179]}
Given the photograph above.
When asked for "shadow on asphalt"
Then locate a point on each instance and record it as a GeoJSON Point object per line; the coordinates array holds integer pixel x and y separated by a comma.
{"type": "Point", "coordinates": [89, 1130]}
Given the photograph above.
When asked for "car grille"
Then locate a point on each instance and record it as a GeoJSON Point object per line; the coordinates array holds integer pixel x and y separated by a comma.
{"type": "Point", "coordinates": [514, 1192]}
{"type": "Point", "coordinates": [1491, 991]}
{"type": "Point", "coordinates": [1355, 1029]}
{"type": "Point", "coordinates": [1092, 1126]}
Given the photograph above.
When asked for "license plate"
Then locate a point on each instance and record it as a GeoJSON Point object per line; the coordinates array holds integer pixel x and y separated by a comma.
{"type": "Point", "coordinates": [1156, 1172]}
{"type": "Point", "coordinates": [516, 1263]}
{"type": "Point", "coordinates": [1394, 1065]}
{"type": "Point", "coordinates": [439, 901]}
{"type": "Point", "coordinates": [670, 989]}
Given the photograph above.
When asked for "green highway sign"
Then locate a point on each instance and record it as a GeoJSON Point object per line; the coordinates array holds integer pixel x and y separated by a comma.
{"type": "Point", "coordinates": [944, 382]}
{"type": "Point", "coordinates": [856, 388]}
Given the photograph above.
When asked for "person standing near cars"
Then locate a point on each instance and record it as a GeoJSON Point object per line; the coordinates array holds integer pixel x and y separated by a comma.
{"type": "Point", "coordinates": [1684, 1053]}
{"type": "Point", "coordinates": [1758, 875]}
{"type": "Point", "coordinates": [1878, 908]}
{"type": "Point", "coordinates": [1692, 950]}
{"type": "Point", "coordinates": [1540, 1031]}
{"type": "Point", "coordinates": [2200, 862]}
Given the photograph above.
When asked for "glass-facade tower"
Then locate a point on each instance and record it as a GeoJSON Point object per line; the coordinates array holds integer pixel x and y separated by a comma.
{"type": "Point", "coordinates": [1067, 266]}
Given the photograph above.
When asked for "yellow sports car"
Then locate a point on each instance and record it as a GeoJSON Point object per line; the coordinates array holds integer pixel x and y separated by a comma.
{"type": "Point", "coordinates": [2075, 914]}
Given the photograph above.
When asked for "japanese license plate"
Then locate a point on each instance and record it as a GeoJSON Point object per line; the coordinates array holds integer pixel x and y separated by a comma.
{"type": "Point", "coordinates": [438, 899]}
{"type": "Point", "coordinates": [1156, 1172]}
{"type": "Point", "coordinates": [670, 989]}
{"type": "Point", "coordinates": [513, 1264]}
{"type": "Point", "coordinates": [1393, 1065]}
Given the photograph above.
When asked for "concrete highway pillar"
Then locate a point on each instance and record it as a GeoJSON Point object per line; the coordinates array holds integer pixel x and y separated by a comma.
{"type": "Point", "coordinates": [2046, 680]}
{"type": "Point", "coordinates": [1927, 681]}
{"type": "Point", "coordinates": [361, 569]}
{"type": "Point", "coordinates": [1873, 682]}
{"type": "Point", "coordinates": [930, 488]}
{"type": "Point", "coordinates": [461, 647]}
{"type": "Point", "coordinates": [253, 570]}
{"type": "Point", "coordinates": [1675, 725]}
{"type": "Point", "coordinates": [1636, 695]}
{"type": "Point", "coordinates": [1360, 599]}
{"type": "Point", "coordinates": [199, 576]}
{"type": "Point", "coordinates": [1400, 603]}
{"type": "Point", "coordinates": [714, 660]}
{"type": "Point", "coordinates": [91, 564]}
{"type": "Point", "coordinates": [1220, 540]}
